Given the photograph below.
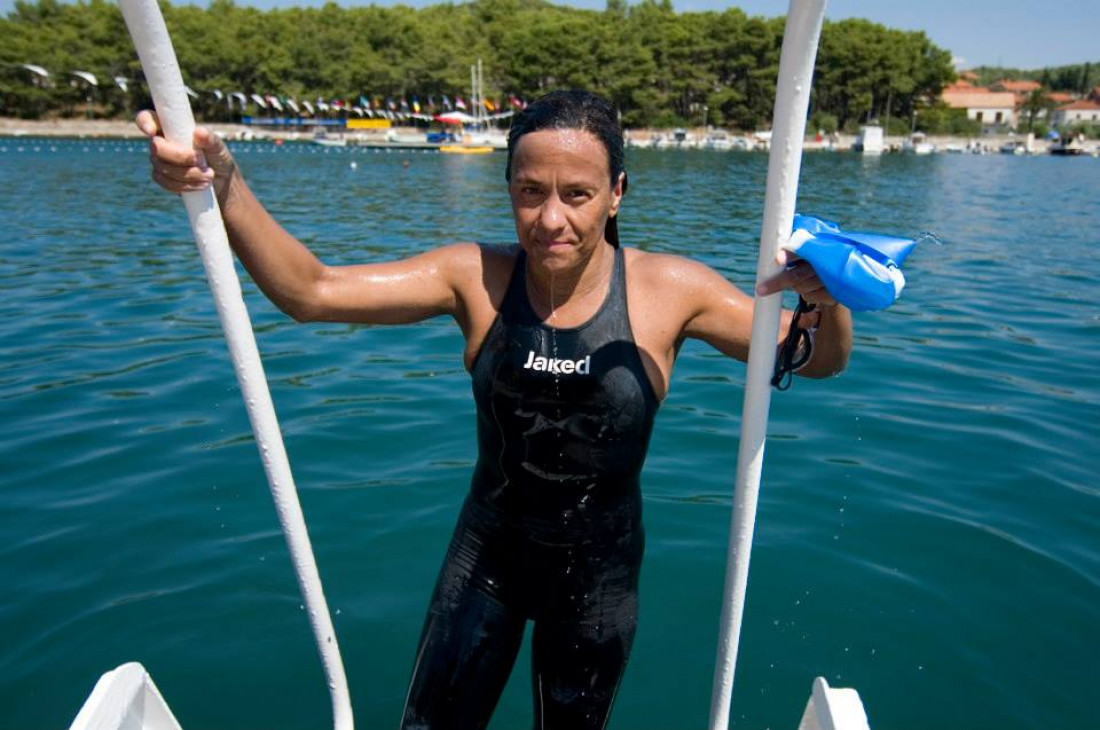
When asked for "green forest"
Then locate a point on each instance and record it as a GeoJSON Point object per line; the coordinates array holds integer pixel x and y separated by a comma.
{"type": "Point", "coordinates": [1078, 78]}
{"type": "Point", "coordinates": [660, 68]}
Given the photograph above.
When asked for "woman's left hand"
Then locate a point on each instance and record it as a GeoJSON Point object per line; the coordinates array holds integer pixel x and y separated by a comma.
{"type": "Point", "coordinates": [798, 276]}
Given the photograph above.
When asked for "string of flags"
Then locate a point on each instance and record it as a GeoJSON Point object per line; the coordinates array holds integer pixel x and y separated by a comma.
{"type": "Point", "coordinates": [373, 106]}
{"type": "Point", "coordinates": [432, 106]}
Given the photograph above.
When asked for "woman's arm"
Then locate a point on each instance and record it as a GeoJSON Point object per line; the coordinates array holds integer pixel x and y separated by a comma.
{"type": "Point", "coordinates": [286, 271]}
{"type": "Point", "coordinates": [712, 309]}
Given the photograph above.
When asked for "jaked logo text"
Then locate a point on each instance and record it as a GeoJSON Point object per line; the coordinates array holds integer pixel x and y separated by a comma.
{"type": "Point", "coordinates": [555, 365]}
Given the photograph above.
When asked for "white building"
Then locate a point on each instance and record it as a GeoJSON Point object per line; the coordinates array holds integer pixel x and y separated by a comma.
{"type": "Point", "coordinates": [989, 108]}
{"type": "Point", "coordinates": [1083, 111]}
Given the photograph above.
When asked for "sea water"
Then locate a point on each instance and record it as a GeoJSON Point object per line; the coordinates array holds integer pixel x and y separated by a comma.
{"type": "Point", "coordinates": [928, 523]}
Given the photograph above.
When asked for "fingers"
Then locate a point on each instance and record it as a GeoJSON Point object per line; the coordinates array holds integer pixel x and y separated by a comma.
{"type": "Point", "coordinates": [214, 148]}
{"type": "Point", "coordinates": [801, 278]}
{"type": "Point", "coordinates": [181, 169]}
{"type": "Point", "coordinates": [164, 151]}
{"type": "Point", "coordinates": [147, 122]}
{"type": "Point", "coordinates": [178, 169]}
{"type": "Point", "coordinates": [813, 291]}
{"type": "Point", "coordinates": [179, 178]}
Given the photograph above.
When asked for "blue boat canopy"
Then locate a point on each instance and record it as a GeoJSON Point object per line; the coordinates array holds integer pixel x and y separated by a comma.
{"type": "Point", "coordinates": [861, 270]}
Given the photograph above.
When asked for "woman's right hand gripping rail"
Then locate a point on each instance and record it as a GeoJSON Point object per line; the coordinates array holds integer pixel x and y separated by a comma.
{"type": "Point", "coordinates": [286, 271]}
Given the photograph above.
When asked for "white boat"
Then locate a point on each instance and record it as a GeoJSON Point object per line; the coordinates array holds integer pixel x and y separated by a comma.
{"type": "Point", "coordinates": [658, 142]}
{"type": "Point", "coordinates": [870, 140]}
{"type": "Point", "coordinates": [493, 138]}
{"type": "Point", "coordinates": [918, 144]}
{"type": "Point", "coordinates": [681, 140]}
{"type": "Point", "coordinates": [329, 140]}
{"type": "Point", "coordinates": [718, 139]}
{"type": "Point", "coordinates": [1072, 147]}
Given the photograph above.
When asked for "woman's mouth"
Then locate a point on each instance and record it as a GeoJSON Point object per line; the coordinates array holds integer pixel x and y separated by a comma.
{"type": "Point", "coordinates": [551, 244]}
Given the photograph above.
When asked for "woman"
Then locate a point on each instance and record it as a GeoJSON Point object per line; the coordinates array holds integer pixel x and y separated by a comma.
{"type": "Point", "coordinates": [567, 379]}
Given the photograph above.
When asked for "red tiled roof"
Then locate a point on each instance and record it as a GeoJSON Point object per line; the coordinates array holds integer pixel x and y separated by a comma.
{"type": "Point", "coordinates": [979, 99]}
{"type": "Point", "coordinates": [965, 86]}
{"type": "Point", "coordinates": [1017, 86]}
{"type": "Point", "coordinates": [1061, 97]}
{"type": "Point", "coordinates": [1080, 105]}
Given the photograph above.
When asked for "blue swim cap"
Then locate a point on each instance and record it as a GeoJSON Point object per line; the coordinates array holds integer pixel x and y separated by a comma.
{"type": "Point", "coordinates": [861, 270]}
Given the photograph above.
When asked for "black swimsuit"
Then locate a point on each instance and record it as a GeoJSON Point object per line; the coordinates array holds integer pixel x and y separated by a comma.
{"type": "Point", "coordinates": [552, 528]}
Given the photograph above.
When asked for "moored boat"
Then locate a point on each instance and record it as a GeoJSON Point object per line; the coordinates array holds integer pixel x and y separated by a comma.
{"type": "Point", "coordinates": [329, 140]}
{"type": "Point", "coordinates": [718, 139]}
{"type": "Point", "coordinates": [1072, 147]}
{"type": "Point", "coordinates": [918, 144]}
{"type": "Point", "coordinates": [870, 140]}
{"type": "Point", "coordinates": [461, 149]}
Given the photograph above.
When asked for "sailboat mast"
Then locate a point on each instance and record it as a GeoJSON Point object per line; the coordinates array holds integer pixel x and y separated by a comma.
{"type": "Point", "coordinates": [473, 90]}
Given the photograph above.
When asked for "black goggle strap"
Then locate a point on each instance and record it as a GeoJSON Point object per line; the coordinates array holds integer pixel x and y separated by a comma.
{"type": "Point", "coordinates": [796, 350]}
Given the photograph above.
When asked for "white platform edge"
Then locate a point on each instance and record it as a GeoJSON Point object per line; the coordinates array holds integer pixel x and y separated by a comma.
{"type": "Point", "coordinates": [832, 708]}
{"type": "Point", "coordinates": [125, 698]}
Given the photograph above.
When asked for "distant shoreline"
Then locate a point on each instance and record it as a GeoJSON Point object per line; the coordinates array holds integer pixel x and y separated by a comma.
{"type": "Point", "coordinates": [125, 129]}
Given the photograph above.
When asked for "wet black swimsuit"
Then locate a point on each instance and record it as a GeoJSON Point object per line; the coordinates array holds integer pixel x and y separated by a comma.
{"type": "Point", "coordinates": [552, 528]}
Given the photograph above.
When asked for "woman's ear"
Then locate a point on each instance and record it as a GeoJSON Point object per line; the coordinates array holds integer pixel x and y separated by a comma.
{"type": "Point", "coordinates": [617, 194]}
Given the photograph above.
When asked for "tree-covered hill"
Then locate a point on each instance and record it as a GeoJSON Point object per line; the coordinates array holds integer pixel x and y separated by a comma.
{"type": "Point", "coordinates": [1078, 78]}
{"type": "Point", "coordinates": [659, 67]}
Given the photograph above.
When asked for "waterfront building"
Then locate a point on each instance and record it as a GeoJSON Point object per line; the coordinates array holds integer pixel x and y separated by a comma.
{"type": "Point", "coordinates": [991, 109]}
{"type": "Point", "coordinates": [1082, 111]}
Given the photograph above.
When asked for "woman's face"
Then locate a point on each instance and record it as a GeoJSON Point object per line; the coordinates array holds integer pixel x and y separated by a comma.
{"type": "Point", "coordinates": [561, 196]}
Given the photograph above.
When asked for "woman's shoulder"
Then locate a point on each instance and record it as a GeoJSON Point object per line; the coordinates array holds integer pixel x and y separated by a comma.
{"type": "Point", "coordinates": [471, 257]}
{"type": "Point", "coordinates": [479, 272]}
{"type": "Point", "coordinates": [666, 268]}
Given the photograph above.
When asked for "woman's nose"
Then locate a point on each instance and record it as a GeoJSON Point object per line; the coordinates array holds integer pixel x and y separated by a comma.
{"type": "Point", "coordinates": [551, 216]}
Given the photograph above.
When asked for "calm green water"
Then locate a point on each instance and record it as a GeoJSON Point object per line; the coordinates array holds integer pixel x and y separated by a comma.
{"type": "Point", "coordinates": [928, 522]}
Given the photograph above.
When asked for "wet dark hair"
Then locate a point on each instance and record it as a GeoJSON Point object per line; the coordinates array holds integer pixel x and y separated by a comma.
{"type": "Point", "coordinates": [574, 109]}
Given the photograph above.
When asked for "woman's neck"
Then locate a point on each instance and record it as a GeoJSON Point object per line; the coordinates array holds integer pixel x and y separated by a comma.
{"type": "Point", "coordinates": [574, 293]}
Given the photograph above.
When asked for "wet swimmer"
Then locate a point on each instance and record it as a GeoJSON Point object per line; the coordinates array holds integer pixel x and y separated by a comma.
{"type": "Point", "coordinates": [570, 342]}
